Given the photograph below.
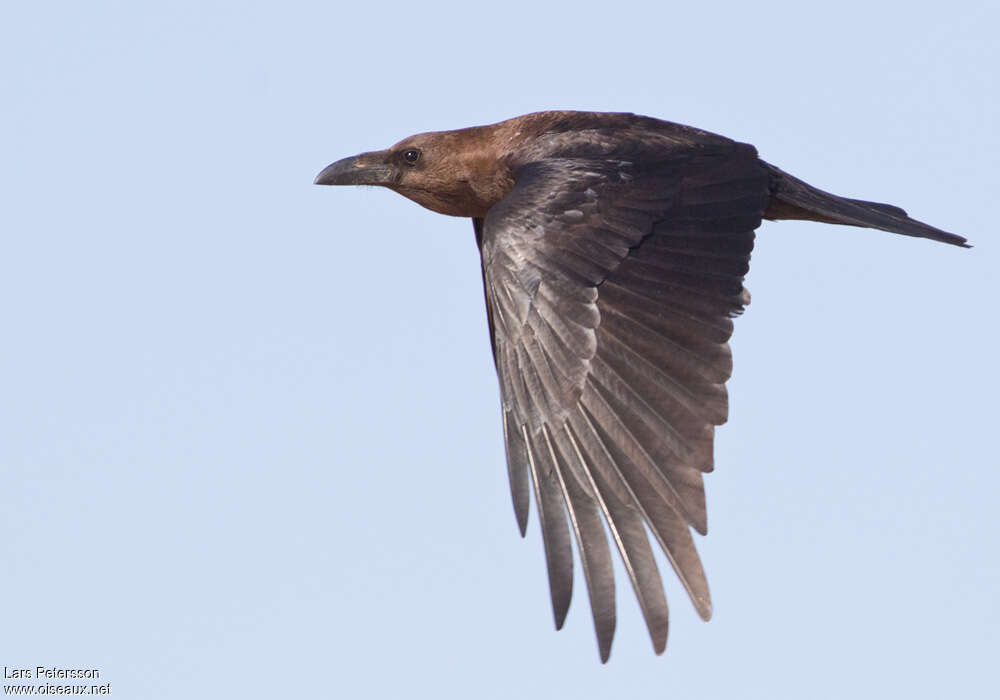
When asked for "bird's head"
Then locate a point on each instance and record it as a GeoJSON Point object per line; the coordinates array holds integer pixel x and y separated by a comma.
{"type": "Point", "coordinates": [459, 173]}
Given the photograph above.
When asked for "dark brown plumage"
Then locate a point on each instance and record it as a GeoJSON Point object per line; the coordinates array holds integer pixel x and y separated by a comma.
{"type": "Point", "coordinates": [614, 248]}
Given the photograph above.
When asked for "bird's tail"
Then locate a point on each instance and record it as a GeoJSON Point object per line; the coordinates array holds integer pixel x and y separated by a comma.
{"type": "Point", "coordinates": [792, 198]}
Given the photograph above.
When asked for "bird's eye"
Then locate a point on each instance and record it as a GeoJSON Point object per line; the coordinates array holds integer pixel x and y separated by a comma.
{"type": "Point", "coordinates": [411, 156]}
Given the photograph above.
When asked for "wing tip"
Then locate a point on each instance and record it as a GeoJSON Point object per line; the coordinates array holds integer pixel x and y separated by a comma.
{"type": "Point", "coordinates": [604, 648]}
{"type": "Point", "coordinates": [659, 638]}
{"type": "Point", "coordinates": [703, 605]}
{"type": "Point", "coordinates": [559, 612]}
{"type": "Point", "coordinates": [522, 522]}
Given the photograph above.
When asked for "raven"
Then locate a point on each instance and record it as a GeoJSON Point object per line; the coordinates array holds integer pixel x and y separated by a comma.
{"type": "Point", "coordinates": [614, 248]}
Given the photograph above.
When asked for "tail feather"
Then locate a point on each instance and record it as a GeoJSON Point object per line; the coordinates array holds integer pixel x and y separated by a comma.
{"type": "Point", "coordinates": [792, 198]}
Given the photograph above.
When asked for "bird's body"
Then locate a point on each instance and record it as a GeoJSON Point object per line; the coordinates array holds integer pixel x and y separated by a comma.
{"type": "Point", "coordinates": [614, 248]}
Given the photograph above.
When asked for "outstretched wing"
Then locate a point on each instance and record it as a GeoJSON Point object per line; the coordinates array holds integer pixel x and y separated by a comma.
{"type": "Point", "coordinates": [610, 287]}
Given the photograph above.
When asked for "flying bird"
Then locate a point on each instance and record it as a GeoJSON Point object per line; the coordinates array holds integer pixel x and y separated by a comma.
{"type": "Point", "coordinates": [614, 248]}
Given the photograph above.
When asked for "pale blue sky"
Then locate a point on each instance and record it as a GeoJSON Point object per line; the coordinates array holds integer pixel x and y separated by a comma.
{"type": "Point", "coordinates": [249, 435]}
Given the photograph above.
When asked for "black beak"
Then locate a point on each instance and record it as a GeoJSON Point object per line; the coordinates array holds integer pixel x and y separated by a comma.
{"type": "Point", "coordinates": [364, 169]}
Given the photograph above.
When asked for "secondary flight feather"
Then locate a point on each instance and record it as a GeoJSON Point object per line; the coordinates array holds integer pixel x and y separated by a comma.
{"type": "Point", "coordinates": [614, 248]}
